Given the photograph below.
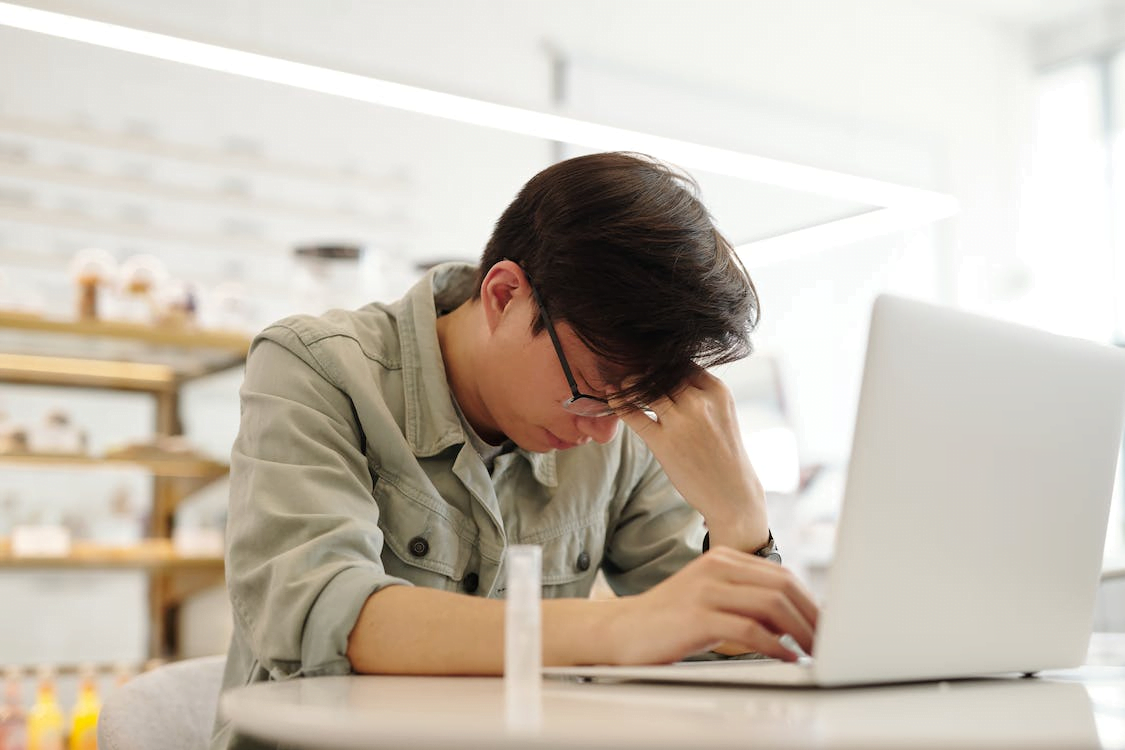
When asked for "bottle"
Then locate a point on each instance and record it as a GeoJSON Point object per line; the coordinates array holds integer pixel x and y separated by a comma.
{"type": "Point", "coordinates": [45, 720]}
{"type": "Point", "coordinates": [122, 673]}
{"type": "Point", "coordinates": [13, 719]}
{"type": "Point", "coordinates": [84, 721]}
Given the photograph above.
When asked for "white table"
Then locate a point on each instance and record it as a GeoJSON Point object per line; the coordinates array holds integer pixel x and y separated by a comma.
{"type": "Point", "coordinates": [1082, 708]}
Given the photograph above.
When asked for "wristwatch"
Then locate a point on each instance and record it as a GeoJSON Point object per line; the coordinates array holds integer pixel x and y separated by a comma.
{"type": "Point", "coordinates": [769, 550]}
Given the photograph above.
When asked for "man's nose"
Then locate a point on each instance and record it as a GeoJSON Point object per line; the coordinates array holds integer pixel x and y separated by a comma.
{"type": "Point", "coordinates": [600, 429]}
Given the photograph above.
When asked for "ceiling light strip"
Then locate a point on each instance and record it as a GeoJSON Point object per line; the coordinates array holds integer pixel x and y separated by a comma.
{"type": "Point", "coordinates": [471, 111]}
{"type": "Point", "coordinates": [809, 240]}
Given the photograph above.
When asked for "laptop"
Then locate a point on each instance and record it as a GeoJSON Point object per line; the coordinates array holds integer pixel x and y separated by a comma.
{"type": "Point", "coordinates": [971, 534]}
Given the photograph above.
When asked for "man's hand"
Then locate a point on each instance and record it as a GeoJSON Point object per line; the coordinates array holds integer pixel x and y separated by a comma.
{"type": "Point", "coordinates": [696, 440]}
{"type": "Point", "coordinates": [725, 596]}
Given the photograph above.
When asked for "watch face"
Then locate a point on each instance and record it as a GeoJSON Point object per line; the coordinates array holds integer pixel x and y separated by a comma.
{"type": "Point", "coordinates": [773, 557]}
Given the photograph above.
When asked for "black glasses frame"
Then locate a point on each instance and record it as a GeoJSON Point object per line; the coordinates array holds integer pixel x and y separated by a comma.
{"type": "Point", "coordinates": [579, 403]}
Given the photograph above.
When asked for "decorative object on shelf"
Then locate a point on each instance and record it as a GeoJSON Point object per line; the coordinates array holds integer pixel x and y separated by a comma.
{"type": "Point", "coordinates": [57, 435]}
{"type": "Point", "coordinates": [120, 522]}
{"type": "Point", "coordinates": [13, 436]}
{"type": "Point", "coordinates": [139, 277]}
{"type": "Point", "coordinates": [176, 305]}
{"type": "Point", "coordinates": [91, 269]}
{"type": "Point", "coordinates": [327, 275]}
{"type": "Point", "coordinates": [40, 540]}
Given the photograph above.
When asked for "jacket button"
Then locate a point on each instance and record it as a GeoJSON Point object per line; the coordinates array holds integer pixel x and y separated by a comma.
{"type": "Point", "coordinates": [583, 561]}
{"type": "Point", "coordinates": [471, 582]}
{"type": "Point", "coordinates": [419, 547]}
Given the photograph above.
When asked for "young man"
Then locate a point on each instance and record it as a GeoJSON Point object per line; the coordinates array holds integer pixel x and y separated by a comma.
{"type": "Point", "coordinates": [388, 456]}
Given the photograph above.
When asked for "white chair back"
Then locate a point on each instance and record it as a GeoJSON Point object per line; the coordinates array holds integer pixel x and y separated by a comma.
{"type": "Point", "coordinates": [172, 707]}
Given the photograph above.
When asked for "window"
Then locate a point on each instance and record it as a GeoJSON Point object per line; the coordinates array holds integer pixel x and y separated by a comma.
{"type": "Point", "coordinates": [1072, 236]}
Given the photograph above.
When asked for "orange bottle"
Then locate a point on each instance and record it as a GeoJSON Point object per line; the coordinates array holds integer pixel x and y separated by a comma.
{"type": "Point", "coordinates": [84, 720]}
{"type": "Point", "coordinates": [45, 719]}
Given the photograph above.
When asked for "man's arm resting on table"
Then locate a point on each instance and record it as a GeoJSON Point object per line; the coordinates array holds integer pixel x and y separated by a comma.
{"type": "Point", "coordinates": [409, 630]}
{"type": "Point", "coordinates": [725, 595]}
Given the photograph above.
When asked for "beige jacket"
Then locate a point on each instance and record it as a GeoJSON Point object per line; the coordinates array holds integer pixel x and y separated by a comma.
{"type": "Point", "coordinates": [352, 471]}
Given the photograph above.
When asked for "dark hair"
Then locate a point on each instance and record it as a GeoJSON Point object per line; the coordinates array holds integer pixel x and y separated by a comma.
{"type": "Point", "coordinates": [619, 246]}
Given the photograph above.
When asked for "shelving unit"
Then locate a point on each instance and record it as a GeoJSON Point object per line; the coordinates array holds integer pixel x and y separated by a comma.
{"type": "Point", "coordinates": [142, 359]}
{"type": "Point", "coordinates": [208, 210]}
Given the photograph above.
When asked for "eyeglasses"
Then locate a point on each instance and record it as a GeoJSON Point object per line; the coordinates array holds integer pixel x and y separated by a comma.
{"type": "Point", "coordinates": [579, 403]}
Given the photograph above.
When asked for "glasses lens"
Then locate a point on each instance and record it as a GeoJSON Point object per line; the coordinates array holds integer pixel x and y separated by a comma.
{"type": "Point", "coordinates": [585, 406]}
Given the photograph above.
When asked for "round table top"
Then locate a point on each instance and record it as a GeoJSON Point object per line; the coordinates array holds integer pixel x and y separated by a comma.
{"type": "Point", "coordinates": [1073, 708]}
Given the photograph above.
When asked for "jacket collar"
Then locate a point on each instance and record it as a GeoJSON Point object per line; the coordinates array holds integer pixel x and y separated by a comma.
{"type": "Point", "coordinates": [432, 424]}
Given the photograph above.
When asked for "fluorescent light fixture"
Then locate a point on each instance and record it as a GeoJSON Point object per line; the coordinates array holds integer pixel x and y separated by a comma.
{"type": "Point", "coordinates": [897, 206]}
{"type": "Point", "coordinates": [874, 223]}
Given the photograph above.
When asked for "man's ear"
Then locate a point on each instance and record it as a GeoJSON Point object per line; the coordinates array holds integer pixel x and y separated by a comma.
{"type": "Point", "coordinates": [504, 283]}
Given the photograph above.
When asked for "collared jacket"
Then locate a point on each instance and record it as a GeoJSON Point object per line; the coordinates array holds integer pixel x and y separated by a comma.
{"type": "Point", "coordinates": [352, 471]}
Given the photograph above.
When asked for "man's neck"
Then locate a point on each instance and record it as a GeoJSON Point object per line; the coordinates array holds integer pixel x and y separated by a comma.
{"type": "Point", "coordinates": [458, 334]}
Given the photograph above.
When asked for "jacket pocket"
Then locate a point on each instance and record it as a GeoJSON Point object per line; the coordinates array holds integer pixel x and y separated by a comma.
{"type": "Point", "coordinates": [571, 557]}
{"type": "Point", "coordinates": [425, 541]}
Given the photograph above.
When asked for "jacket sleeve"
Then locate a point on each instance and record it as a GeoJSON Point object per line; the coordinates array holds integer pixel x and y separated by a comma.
{"type": "Point", "coordinates": [656, 532]}
{"type": "Point", "coordinates": [303, 540]}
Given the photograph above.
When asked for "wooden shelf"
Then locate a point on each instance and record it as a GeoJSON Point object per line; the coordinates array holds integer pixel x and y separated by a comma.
{"type": "Point", "coordinates": [150, 555]}
{"type": "Point", "coordinates": [162, 467]}
{"type": "Point", "coordinates": [183, 337]}
{"type": "Point", "coordinates": [110, 354]}
{"type": "Point", "coordinates": [126, 356]}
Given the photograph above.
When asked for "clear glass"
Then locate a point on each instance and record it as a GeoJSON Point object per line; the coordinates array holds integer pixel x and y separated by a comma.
{"type": "Point", "coordinates": [523, 654]}
{"type": "Point", "coordinates": [588, 406]}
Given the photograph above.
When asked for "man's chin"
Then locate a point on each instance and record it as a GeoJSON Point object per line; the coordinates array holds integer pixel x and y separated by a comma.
{"type": "Point", "coordinates": [558, 443]}
{"type": "Point", "coordinates": [541, 440]}
{"type": "Point", "coordinates": [531, 443]}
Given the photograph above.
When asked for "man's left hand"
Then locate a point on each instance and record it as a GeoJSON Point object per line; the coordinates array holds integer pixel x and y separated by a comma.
{"type": "Point", "coordinates": [695, 437]}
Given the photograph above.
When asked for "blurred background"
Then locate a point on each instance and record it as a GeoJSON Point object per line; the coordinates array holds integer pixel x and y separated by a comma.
{"type": "Point", "coordinates": [961, 151]}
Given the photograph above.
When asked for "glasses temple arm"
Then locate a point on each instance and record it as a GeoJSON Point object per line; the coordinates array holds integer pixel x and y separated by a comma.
{"type": "Point", "coordinates": [554, 337]}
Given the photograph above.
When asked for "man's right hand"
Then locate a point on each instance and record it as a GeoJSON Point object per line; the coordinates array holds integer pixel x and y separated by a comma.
{"type": "Point", "coordinates": [723, 597]}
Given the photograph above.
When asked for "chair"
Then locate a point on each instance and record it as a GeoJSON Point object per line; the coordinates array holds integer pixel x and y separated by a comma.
{"type": "Point", "coordinates": [172, 708]}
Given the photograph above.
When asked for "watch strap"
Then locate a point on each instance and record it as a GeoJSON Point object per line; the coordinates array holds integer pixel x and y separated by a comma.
{"type": "Point", "coordinates": [769, 550]}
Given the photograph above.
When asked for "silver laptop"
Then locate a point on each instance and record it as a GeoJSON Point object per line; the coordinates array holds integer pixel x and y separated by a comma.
{"type": "Point", "coordinates": [974, 517]}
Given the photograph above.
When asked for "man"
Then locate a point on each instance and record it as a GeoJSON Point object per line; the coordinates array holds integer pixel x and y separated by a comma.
{"type": "Point", "coordinates": [388, 456]}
